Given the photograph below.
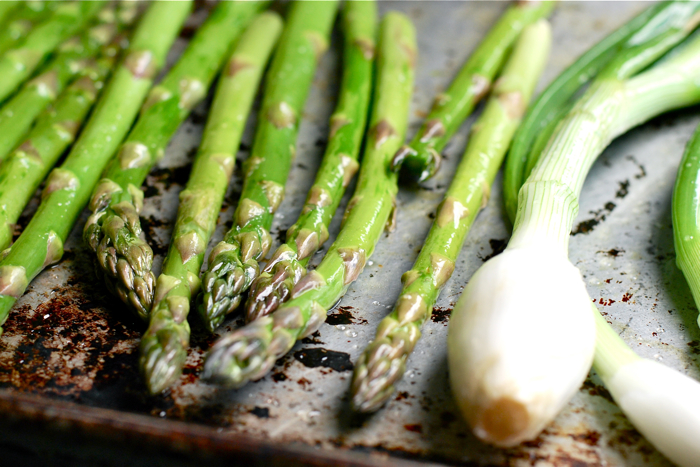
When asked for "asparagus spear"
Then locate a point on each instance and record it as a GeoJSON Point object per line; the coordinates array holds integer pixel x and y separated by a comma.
{"type": "Point", "coordinates": [248, 353]}
{"type": "Point", "coordinates": [555, 101]}
{"type": "Point", "coordinates": [421, 157]}
{"type": "Point", "coordinates": [55, 130]}
{"type": "Point", "coordinates": [339, 164]}
{"type": "Point", "coordinates": [22, 20]}
{"type": "Point", "coordinates": [18, 64]}
{"type": "Point", "coordinates": [68, 188]}
{"type": "Point", "coordinates": [19, 113]}
{"type": "Point", "coordinates": [113, 231]}
{"type": "Point", "coordinates": [6, 9]}
{"type": "Point", "coordinates": [164, 346]}
{"type": "Point", "coordinates": [233, 263]}
{"type": "Point", "coordinates": [383, 362]}
{"type": "Point", "coordinates": [515, 361]}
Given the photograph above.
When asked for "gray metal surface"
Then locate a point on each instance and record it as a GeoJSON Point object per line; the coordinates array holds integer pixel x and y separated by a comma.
{"type": "Point", "coordinates": [67, 339]}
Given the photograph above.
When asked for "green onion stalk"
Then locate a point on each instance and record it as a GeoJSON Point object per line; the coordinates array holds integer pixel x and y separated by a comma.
{"type": "Point", "coordinates": [233, 262]}
{"type": "Point", "coordinates": [686, 216]}
{"type": "Point", "coordinates": [20, 21]}
{"type": "Point", "coordinates": [123, 260]}
{"type": "Point", "coordinates": [556, 100]}
{"type": "Point", "coordinates": [421, 157]}
{"type": "Point", "coordinates": [662, 404]}
{"type": "Point", "coordinates": [18, 64]}
{"type": "Point", "coordinates": [338, 167]}
{"type": "Point", "coordinates": [68, 187]}
{"type": "Point", "coordinates": [71, 60]}
{"type": "Point", "coordinates": [383, 362]}
{"type": "Point", "coordinates": [165, 343]}
{"type": "Point", "coordinates": [250, 352]}
{"type": "Point", "coordinates": [515, 360]}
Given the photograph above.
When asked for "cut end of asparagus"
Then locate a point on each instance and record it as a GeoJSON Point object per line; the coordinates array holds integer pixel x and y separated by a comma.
{"type": "Point", "coordinates": [241, 356]}
{"type": "Point", "coordinates": [162, 359]}
{"type": "Point", "coordinates": [272, 288]}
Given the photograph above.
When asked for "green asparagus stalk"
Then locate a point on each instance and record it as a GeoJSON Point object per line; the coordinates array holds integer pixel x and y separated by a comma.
{"type": "Point", "coordinates": [233, 263]}
{"type": "Point", "coordinates": [74, 55]}
{"type": "Point", "coordinates": [686, 206]}
{"type": "Point", "coordinates": [555, 101]}
{"type": "Point", "coordinates": [164, 346]}
{"type": "Point", "coordinates": [339, 164]}
{"type": "Point", "coordinates": [249, 352]}
{"type": "Point", "coordinates": [6, 9]}
{"type": "Point", "coordinates": [18, 64]}
{"type": "Point", "coordinates": [23, 171]}
{"type": "Point", "coordinates": [421, 158]}
{"type": "Point", "coordinates": [383, 362]}
{"type": "Point", "coordinates": [22, 20]}
{"type": "Point", "coordinates": [68, 188]}
{"type": "Point", "coordinates": [113, 231]}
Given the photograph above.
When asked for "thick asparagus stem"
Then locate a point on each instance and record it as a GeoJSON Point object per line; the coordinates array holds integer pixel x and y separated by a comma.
{"type": "Point", "coordinates": [113, 231]}
{"type": "Point", "coordinates": [421, 158]}
{"type": "Point", "coordinates": [249, 353]}
{"type": "Point", "coordinates": [164, 345]}
{"type": "Point", "coordinates": [19, 113]}
{"type": "Point", "coordinates": [25, 168]}
{"type": "Point", "coordinates": [383, 362]}
{"type": "Point", "coordinates": [68, 188]}
{"type": "Point", "coordinates": [233, 263]}
{"type": "Point", "coordinates": [6, 9]}
{"type": "Point", "coordinates": [18, 64]}
{"type": "Point", "coordinates": [338, 167]}
{"type": "Point", "coordinates": [22, 20]}
{"type": "Point", "coordinates": [554, 102]}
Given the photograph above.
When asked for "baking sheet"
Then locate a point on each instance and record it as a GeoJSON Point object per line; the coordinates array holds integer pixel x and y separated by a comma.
{"type": "Point", "coordinates": [69, 351]}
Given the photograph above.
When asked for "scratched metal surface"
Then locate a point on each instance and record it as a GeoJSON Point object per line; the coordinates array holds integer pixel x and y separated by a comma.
{"type": "Point", "coordinates": [66, 340]}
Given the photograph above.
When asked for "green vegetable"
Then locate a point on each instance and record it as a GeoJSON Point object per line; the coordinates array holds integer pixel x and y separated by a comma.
{"type": "Point", "coordinates": [421, 158]}
{"type": "Point", "coordinates": [555, 101]}
{"type": "Point", "coordinates": [512, 363]}
{"type": "Point", "coordinates": [249, 353]}
{"type": "Point", "coordinates": [164, 346]}
{"type": "Point", "coordinates": [234, 263]}
{"type": "Point", "coordinates": [339, 164]}
{"type": "Point", "coordinates": [383, 362]}
{"type": "Point", "coordinates": [7, 7]}
{"type": "Point", "coordinates": [21, 20]}
{"type": "Point", "coordinates": [17, 65]}
{"type": "Point", "coordinates": [68, 188]}
{"type": "Point", "coordinates": [113, 231]}
{"type": "Point", "coordinates": [74, 55]}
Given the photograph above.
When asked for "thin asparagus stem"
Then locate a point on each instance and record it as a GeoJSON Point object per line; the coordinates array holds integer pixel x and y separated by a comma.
{"type": "Point", "coordinates": [123, 260]}
{"type": "Point", "coordinates": [6, 9]}
{"type": "Point", "coordinates": [26, 167]}
{"type": "Point", "coordinates": [554, 102]}
{"type": "Point", "coordinates": [22, 20]}
{"type": "Point", "coordinates": [338, 167]}
{"type": "Point", "coordinates": [383, 362]}
{"type": "Point", "coordinates": [17, 65]}
{"type": "Point", "coordinates": [421, 158]}
{"type": "Point", "coordinates": [233, 263]}
{"type": "Point", "coordinates": [74, 56]}
{"type": "Point", "coordinates": [68, 188]}
{"type": "Point", "coordinates": [249, 353]}
{"type": "Point", "coordinates": [164, 345]}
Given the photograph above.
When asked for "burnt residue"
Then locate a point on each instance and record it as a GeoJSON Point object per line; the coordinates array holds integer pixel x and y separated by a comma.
{"type": "Point", "coordinates": [149, 226]}
{"type": "Point", "coordinates": [414, 427]}
{"type": "Point", "coordinates": [599, 216]}
{"type": "Point", "coordinates": [694, 347]}
{"type": "Point", "coordinates": [441, 314]}
{"type": "Point", "coordinates": [261, 412]}
{"type": "Point", "coordinates": [613, 252]}
{"type": "Point", "coordinates": [498, 245]}
{"type": "Point", "coordinates": [314, 338]}
{"type": "Point", "coordinates": [169, 176]}
{"type": "Point", "coordinates": [623, 190]}
{"type": "Point", "coordinates": [590, 437]}
{"type": "Point", "coordinates": [344, 315]}
{"type": "Point", "coordinates": [279, 377]}
{"type": "Point", "coordinates": [319, 357]}
{"type": "Point", "coordinates": [597, 390]}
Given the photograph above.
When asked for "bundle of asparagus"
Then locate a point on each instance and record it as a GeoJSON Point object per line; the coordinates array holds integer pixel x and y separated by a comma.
{"type": "Point", "coordinates": [339, 165]}
{"type": "Point", "coordinates": [250, 352]}
{"type": "Point", "coordinates": [21, 19]}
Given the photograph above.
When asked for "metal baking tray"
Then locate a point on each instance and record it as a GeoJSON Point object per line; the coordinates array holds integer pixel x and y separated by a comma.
{"type": "Point", "coordinates": [71, 391]}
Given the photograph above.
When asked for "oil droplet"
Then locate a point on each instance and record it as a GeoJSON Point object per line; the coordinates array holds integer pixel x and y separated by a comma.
{"type": "Point", "coordinates": [350, 333]}
{"type": "Point", "coordinates": [340, 327]}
